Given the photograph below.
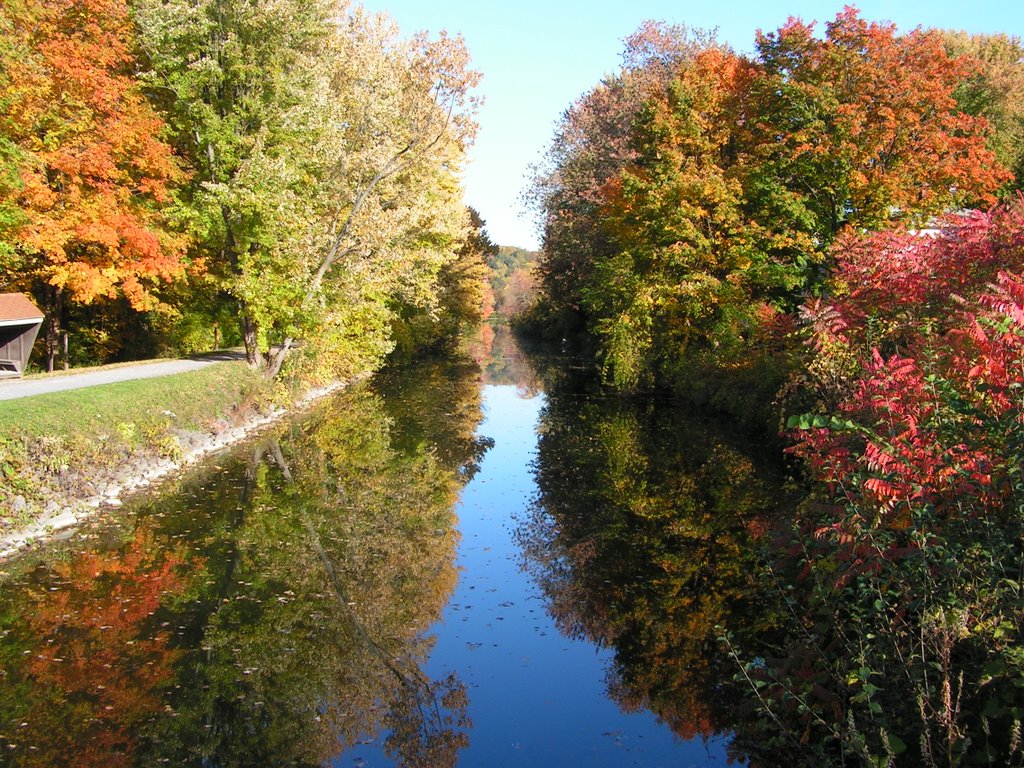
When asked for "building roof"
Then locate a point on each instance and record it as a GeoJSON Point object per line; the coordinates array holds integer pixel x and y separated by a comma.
{"type": "Point", "coordinates": [17, 309]}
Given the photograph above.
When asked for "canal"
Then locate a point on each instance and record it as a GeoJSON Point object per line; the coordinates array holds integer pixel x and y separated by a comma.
{"type": "Point", "coordinates": [501, 563]}
{"type": "Point", "coordinates": [399, 577]}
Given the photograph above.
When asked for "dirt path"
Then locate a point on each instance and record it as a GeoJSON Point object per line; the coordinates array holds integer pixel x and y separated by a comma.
{"type": "Point", "coordinates": [11, 389]}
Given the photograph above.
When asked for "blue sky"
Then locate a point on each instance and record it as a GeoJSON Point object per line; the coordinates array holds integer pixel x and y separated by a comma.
{"type": "Point", "coordinates": [538, 56]}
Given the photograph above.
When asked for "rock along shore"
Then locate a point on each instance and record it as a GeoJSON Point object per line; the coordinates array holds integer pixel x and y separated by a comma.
{"type": "Point", "coordinates": [64, 513]}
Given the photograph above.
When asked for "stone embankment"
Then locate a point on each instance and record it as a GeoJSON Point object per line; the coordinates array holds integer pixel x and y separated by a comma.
{"type": "Point", "coordinates": [108, 487]}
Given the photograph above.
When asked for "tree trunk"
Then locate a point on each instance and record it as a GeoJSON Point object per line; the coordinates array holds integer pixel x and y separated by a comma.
{"type": "Point", "coordinates": [250, 337]}
{"type": "Point", "coordinates": [52, 333]}
{"type": "Point", "coordinates": [53, 326]}
{"type": "Point", "coordinates": [276, 358]}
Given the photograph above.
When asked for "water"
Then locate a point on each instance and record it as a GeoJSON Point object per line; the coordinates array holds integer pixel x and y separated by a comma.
{"type": "Point", "coordinates": [428, 571]}
{"type": "Point", "coordinates": [537, 697]}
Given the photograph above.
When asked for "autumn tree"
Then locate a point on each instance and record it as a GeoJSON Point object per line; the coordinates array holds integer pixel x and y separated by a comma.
{"type": "Point", "coordinates": [690, 201]}
{"type": "Point", "coordinates": [912, 528]}
{"type": "Point", "coordinates": [859, 128]}
{"type": "Point", "coordinates": [592, 142]}
{"type": "Point", "coordinates": [520, 294]}
{"type": "Point", "coordinates": [85, 178]}
{"type": "Point", "coordinates": [465, 295]}
{"type": "Point", "coordinates": [994, 90]}
{"type": "Point", "coordinates": [674, 221]}
{"type": "Point", "coordinates": [325, 150]}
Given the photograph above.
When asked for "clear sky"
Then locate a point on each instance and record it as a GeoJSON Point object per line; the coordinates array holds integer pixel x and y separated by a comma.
{"type": "Point", "coordinates": [538, 56]}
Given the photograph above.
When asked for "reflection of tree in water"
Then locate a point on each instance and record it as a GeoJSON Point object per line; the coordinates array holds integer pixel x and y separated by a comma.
{"type": "Point", "coordinates": [641, 540]}
{"type": "Point", "coordinates": [424, 716]}
{"type": "Point", "coordinates": [509, 360]}
{"type": "Point", "coordinates": [351, 533]}
{"type": "Point", "coordinates": [438, 409]}
{"type": "Point", "coordinates": [656, 535]}
{"type": "Point", "coordinates": [309, 573]}
{"type": "Point", "coordinates": [88, 662]}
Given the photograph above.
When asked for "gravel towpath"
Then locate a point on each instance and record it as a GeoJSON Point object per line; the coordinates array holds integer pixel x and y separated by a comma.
{"type": "Point", "coordinates": [15, 388]}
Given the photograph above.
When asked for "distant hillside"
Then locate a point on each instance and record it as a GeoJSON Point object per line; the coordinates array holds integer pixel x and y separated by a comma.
{"type": "Point", "coordinates": [512, 279]}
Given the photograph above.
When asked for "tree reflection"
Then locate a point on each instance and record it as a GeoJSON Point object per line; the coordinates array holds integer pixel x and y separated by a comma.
{"type": "Point", "coordinates": [503, 360]}
{"type": "Point", "coordinates": [662, 537]}
{"type": "Point", "coordinates": [89, 658]}
{"type": "Point", "coordinates": [642, 541]}
{"type": "Point", "coordinates": [438, 408]}
{"type": "Point", "coordinates": [294, 610]}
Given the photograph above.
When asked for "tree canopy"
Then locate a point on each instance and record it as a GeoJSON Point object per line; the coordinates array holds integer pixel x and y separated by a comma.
{"type": "Point", "coordinates": [294, 164]}
{"type": "Point", "coordinates": [691, 199]}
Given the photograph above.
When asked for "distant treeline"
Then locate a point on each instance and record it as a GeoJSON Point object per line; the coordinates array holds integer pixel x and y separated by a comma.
{"type": "Point", "coordinates": [513, 280]}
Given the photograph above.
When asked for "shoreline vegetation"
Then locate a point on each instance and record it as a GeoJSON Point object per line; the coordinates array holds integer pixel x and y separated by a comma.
{"type": "Point", "coordinates": [69, 454]}
{"type": "Point", "coordinates": [825, 238]}
{"type": "Point", "coordinates": [281, 177]}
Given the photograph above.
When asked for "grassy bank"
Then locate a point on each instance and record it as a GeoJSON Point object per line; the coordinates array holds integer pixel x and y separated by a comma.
{"type": "Point", "coordinates": [66, 445]}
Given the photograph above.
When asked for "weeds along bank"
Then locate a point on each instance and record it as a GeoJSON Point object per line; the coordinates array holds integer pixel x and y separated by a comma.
{"type": "Point", "coordinates": [65, 454]}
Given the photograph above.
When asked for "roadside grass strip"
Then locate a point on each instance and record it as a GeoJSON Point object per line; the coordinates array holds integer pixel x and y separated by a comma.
{"type": "Point", "coordinates": [61, 442]}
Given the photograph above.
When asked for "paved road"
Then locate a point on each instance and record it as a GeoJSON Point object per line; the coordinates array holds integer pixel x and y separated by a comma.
{"type": "Point", "coordinates": [14, 388]}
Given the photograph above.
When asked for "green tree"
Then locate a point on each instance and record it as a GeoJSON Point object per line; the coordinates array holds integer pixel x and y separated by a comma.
{"type": "Point", "coordinates": [239, 82]}
{"type": "Point", "coordinates": [325, 150]}
{"type": "Point", "coordinates": [458, 299]}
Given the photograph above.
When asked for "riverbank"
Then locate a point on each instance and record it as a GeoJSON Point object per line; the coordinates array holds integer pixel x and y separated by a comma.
{"type": "Point", "coordinates": [66, 455]}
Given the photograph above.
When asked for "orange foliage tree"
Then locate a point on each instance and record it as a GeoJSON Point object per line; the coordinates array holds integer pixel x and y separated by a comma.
{"type": "Point", "coordinates": [98, 663]}
{"type": "Point", "coordinates": [94, 178]}
{"type": "Point", "coordinates": [860, 127]}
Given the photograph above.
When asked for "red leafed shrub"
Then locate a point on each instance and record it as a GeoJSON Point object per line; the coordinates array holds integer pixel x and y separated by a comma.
{"type": "Point", "coordinates": [900, 285]}
{"type": "Point", "coordinates": [936, 418]}
{"type": "Point", "coordinates": [907, 437]}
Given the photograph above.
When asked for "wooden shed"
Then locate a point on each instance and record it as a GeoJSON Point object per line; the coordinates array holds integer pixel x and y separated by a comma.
{"type": "Point", "coordinates": [19, 325]}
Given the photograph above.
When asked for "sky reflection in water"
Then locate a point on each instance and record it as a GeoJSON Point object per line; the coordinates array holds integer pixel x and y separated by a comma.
{"type": "Point", "coordinates": [536, 697]}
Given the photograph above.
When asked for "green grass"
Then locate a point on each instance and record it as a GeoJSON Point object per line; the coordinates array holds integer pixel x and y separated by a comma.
{"type": "Point", "coordinates": [193, 399]}
{"type": "Point", "coordinates": [57, 443]}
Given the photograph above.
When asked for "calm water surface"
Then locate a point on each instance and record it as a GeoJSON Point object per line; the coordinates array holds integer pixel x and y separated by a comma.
{"type": "Point", "coordinates": [451, 565]}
